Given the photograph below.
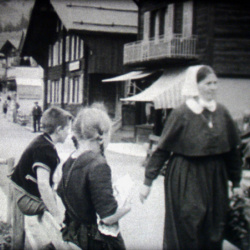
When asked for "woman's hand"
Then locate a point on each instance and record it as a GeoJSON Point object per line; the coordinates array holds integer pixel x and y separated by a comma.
{"type": "Point", "coordinates": [144, 192]}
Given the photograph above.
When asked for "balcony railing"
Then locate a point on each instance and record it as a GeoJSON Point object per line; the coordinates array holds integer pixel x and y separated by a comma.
{"type": "Point", "coordinates": [163, 47]}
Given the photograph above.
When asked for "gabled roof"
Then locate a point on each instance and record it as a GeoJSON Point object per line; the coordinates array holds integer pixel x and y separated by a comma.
{"type": "Point", "coordinates": [114, 16]}
{"type": "Point", "coordinates": [13, 37]}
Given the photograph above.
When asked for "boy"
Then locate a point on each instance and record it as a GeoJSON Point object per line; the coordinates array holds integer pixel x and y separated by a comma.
{"type": "Point", "coordinates": [32, 176]}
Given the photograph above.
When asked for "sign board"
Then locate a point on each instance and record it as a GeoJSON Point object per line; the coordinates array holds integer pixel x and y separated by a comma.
{"type": "Point", "coordinates": [74, 66]}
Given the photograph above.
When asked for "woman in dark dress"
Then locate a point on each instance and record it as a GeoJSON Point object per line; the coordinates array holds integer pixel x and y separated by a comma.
{"type": "Point", "coordinates": [200, 142]}
{"type": "Point", "coordinates": [86, 187]}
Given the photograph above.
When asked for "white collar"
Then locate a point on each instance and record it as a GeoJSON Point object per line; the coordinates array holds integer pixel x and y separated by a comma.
{"type": "Point", "coordinates": [48, 138]}
{"type": "Point", "coordinates": [198, 106]}
{"type": "Point", "coordinates": [210, 105]}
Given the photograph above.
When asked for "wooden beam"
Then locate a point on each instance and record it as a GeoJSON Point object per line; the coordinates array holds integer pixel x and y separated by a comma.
{"type": "Point", "coordinates": [14, 214]}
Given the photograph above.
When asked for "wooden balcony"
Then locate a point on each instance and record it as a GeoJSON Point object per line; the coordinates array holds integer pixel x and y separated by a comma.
{"type": "Point", "coordinates": [160, 48]}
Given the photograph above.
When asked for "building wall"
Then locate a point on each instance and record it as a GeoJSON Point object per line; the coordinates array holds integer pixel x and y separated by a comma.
{"type": "Point", "coordinates": [103, 92]}
{"type": "Point", "coordinates": [105, 52]}
{"type": "Point", "coordinates": [223, 36]}
{"type": "Point", "coordinates": [232, 38]}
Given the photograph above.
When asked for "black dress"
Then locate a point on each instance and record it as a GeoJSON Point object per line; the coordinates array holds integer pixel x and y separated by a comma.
{"type": "Point", "coordinates": [86, 190]}
{"type": "Point", "coordinates": [201, 160]}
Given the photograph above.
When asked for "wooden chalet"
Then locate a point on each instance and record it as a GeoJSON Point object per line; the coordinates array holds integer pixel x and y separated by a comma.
{"type": "Point", "coordinates": [175, 34]}
{"type": "Point", "coordinates": [211, 32]}
{"type": "Point", "coordinates": [9, 53]}
{"type": "Point", "coordinates": [79, 43]}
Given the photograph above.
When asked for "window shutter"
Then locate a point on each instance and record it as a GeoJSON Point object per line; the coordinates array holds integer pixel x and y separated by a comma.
{"type": "Point", "coordinates": [157, 26]}
{"type": "Point", "coordinates": [72, 47]}
{"type": "Point", "coordinates": [49, 92]}
{"type": "Point", "coordinates": [169, 22]}
{"type": "Point", "coordinates": [55, 54]}
{"type": "Point", "coordinates": [67, 47]}
{"type": "Point", "coordinates": [60, 90]}
{"type": "Point", "coordinates": [50, 56]}
{"type": "Point", "coordinates": [146, 25]}
{"type": "Point", "coordinates": [81, 83]}
{"type": "Point", "coordinates": [66, 90]}
{"type": "Point", "coordinates": [187, 19]}
{"type": "Point", "coordinates": [81, 48]}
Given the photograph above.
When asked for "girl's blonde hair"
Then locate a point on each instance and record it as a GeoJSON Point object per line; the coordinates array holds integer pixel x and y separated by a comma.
{"type": "Point", "coordinates": [91, 123]}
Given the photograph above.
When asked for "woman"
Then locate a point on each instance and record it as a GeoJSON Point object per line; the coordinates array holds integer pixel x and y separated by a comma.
{"type": "Point", "coordinates": [200, 142]}
{"type": "Point", "coordinates": [86, 188]}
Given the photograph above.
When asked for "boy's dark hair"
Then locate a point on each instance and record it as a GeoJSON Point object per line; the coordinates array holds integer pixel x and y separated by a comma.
{"type": "Point", "coordinates": [54, 117]}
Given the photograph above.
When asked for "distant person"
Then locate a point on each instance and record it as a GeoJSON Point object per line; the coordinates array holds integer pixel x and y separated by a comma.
{"type": "Point", "coordinates": [86, 186]}
{"type": "Point", "coordinates": [5, 107]}
{"type": "Point", "coordinates": [200, 142]}
{"type": "Point", "coordinates": [33, 173]}
{"type": "Point", "coordinates": [36, 113]}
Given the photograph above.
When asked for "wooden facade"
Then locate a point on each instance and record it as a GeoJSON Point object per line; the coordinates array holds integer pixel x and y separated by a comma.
{"type": "Point", "coordinates": [76, 59]}
{"type": "Point", "coordinates": [179, 33]}
{"type": "Point", "coordinates": [221, 28]}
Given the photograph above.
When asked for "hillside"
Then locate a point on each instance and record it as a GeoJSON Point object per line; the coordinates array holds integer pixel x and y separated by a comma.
{"type": "Point", "coordinates": [14, 14]}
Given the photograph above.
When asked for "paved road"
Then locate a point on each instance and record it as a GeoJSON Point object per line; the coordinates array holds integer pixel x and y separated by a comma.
{"type": "Point", "coordinates": [142, 228]}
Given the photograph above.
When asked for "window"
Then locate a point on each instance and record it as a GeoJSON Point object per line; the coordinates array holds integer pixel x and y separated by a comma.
{"type": "Point", "coordinates": [74, 48]}
{"type": "Point", "coordinates": [158, 22]}
{"type": "Point", "coordinates": [73, 89]}
{"type": "Point", "coordinates": [152, 24]}
{"type": "Point", "coordinates": [54, 91]}
{"type": "Point", "coordinates": [162, 21]}
{"type": "Point", "coordinates": [55, 54]}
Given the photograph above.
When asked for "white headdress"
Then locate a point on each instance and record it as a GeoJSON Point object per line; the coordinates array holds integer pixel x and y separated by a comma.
{"type": "Point", "coordinates": [190, 84]}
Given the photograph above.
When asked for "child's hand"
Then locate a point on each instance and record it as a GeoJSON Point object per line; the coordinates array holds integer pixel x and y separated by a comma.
{"type": "Point", "coordinates": [126, 205]}
{"type": "Point", "coordinates": [59, 219]}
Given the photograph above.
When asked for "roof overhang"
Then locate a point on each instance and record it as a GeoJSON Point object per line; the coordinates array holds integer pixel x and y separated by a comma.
{"type": "Point", "coordinates": [98, 16]}
{"type": "Point", "coordinates": [133, 75]}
